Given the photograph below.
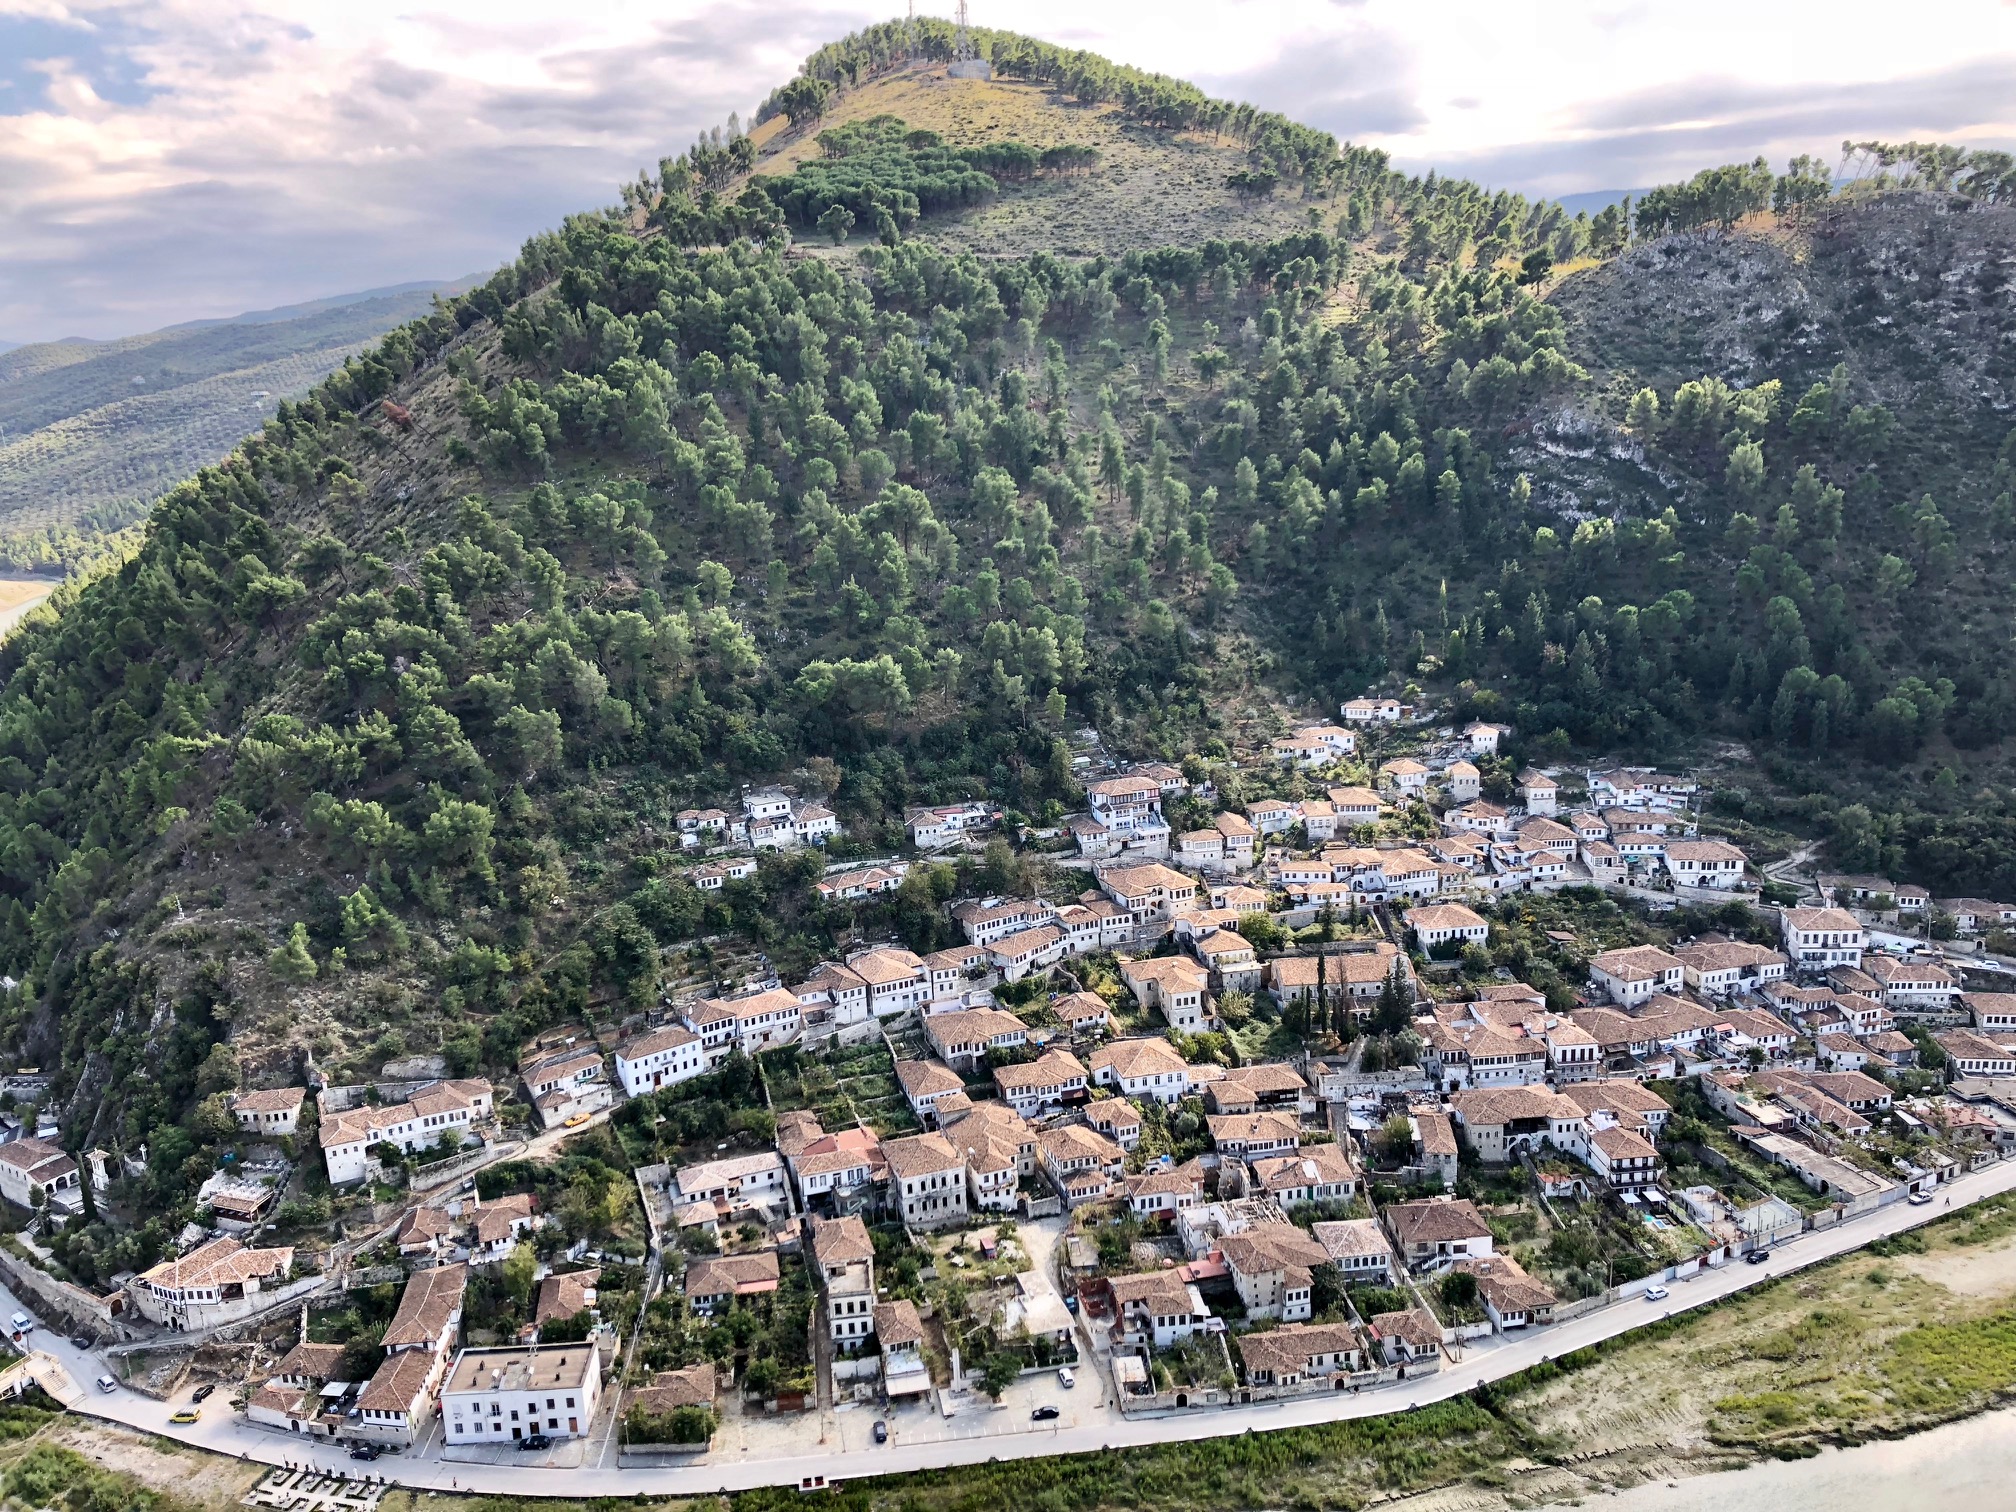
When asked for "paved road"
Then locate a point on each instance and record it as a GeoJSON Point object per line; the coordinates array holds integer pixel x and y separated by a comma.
{"type": "Point", "coordinates": [223, 1431]}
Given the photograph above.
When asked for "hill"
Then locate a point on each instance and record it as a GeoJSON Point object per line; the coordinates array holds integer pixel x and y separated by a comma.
{"type": "Point", "coordinates": [376, 744]}
{"type": "Point", "coordinates": [91, 432]}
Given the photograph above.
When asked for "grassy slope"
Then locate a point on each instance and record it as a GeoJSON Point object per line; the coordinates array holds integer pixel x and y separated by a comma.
{"type": "Point", "coordinates": [84, 425]}
{"type": "Point", "coordinates": [1150, 189]}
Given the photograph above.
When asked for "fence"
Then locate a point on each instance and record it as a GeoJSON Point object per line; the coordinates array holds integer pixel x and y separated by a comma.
{"type": "Point", "coordinates": [1564, 1311]}
{"type": "Point", "coordinates": [430, 1178]}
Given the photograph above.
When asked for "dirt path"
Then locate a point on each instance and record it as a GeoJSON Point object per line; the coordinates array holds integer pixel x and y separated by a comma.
{"type": "Point", "coordinates": [1986, 1272]}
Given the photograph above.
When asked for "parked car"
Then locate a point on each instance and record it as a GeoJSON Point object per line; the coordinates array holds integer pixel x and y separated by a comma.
{"type": "Point", "coordinates": [1065, 1378]}
{"type": "Point", "coordinates": [881, 1431]}
{"type": "Point", "coordinates": [1656, 1294]}
{"type": "Point", "coordinates": [82, 1341]}
{"type": "Point", "coordinates": [1043, 1414]}
{"type": "Point", "coordinates": [1919, 1199]}
{"type": "Point", "coordinates": [21, 1322]}
{"type": "Point", "coordinates": [203, 1392]}
{"type": "Point", "coordinates": [187, 1415]}
{"type": "Point", "coordinates": [1758, 1256]}
{"type": "Point", "coordinates": [364, 1452]}
{"type": "Point", "coordinates": [535, 1441]}
{"type": "Point", "coordinates": [106, 1383]}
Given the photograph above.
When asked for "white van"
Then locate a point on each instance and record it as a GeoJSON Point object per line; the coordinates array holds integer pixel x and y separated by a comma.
{"type": "Point", "coordinates": [21, 1322]}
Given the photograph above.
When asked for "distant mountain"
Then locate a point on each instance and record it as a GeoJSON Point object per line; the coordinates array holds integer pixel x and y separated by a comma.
{"type": "Point", "coordinates": [8, 346]}
{"type": "Point", "coordinates": [91, 432]}
{"type": "Point", "coordinates": [1597, 200]}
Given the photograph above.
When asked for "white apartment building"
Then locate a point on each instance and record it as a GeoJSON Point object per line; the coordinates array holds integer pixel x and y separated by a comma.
{"type": "Point", "coordinates": [493, 1396]}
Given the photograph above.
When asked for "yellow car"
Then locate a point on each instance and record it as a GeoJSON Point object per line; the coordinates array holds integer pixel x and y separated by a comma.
{"type": "Point", "coordinates": [188, 1415]}
{"type": "Point", "coordinates": [576, 1121]}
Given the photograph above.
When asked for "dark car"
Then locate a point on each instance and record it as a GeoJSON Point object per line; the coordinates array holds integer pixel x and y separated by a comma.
{"type": "Point", "coordinates": [364, 1452]}
{"type": "Point", "coordinates": [881, 1431]}
{"type": "Point", "coordinates": [1043, 1414]}
{"type": "Point", "coordinates": [82, 1341]}
{"type": "Point", "coordinates": [1758, 1257]}
{"type": "Point", "coordinates": [202, 1393]}
{"type": "Point", "coordinates": [535, 1441]}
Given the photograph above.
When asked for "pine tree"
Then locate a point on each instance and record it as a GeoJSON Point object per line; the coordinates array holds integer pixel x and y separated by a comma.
{"type": "Point", "coordinates": [292, 962]}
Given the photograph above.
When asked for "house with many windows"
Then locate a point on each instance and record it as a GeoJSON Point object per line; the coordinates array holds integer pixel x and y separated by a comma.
{"type": "Point", "coordinates": [494, 1396]}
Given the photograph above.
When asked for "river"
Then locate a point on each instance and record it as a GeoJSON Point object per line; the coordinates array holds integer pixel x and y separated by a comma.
{"type": "Point", "coordinates": [1969, 1466]}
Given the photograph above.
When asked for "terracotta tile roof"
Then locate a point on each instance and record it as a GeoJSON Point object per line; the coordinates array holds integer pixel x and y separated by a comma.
{"type": "Point", "coordinates": [399, 1384]}
{"type": "Point", "coordinates": [694, 1386]}
{"type": "Point", "coordinates": [431, 1298]}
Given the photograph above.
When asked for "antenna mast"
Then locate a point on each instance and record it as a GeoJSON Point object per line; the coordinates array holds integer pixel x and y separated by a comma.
{"type": "Point", "coordinates": [966, 60]}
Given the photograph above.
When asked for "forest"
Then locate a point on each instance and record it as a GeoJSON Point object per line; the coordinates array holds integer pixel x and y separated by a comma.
{"type": "Point", "coordinates": [387, 716]}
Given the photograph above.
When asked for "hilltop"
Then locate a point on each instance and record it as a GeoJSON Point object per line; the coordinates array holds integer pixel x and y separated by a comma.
{"type": "Point", "coordinates": [378, 741]}
{"type": "Point", "coordinates": [1149, 188]}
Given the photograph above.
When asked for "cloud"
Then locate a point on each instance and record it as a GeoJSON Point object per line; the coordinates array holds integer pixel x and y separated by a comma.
{"type": "Point", "coordinates": [265, 160]}
{"type": "Point", "coordinates": [1671, 132]}
{"type": "Point", "coordinates": [1355, 86]}
{"type": "Point", "coordinates": [164, 160]}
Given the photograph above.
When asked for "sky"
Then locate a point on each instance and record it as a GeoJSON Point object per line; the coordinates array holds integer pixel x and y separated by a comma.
{"type": "Point", "coordinates": [170, 160]}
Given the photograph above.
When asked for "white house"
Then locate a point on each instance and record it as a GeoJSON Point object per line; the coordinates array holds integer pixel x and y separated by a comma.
{"type": "Point", "coordinates": [750, 1024]}
{"type": "Point", "coordinates": [936, 828]}
{"type": "Point", "coordinates": [275, 1110]}
{"type": "Point", "coordinates": [1633, 975]}
{"type": "Point", "coordinates": [1704, 863]}
{"type": "Point", "coordinates": [1371, 710]}
{"type": "Point", "coordinates": [929, 1180]}
{"type": "Point", "coordinates": [1817, 938]}
{"type": "Point", "coordinates": [1464, 782]}
{"type": "Point", "coordinates": [29, 1166]}
{"type": "Point", "coordinates": [662, 1058]}
{"type": "Point", "coordinates": [1139, 1068]}
{"type": "Point", "coordinates": [1437, 923]}
{"type": "Point", "coordinates": [440, 1112]}
{"type": "Point", "coordinates": [215, 1283]}
{"type": "Point", "coordinates": [1725, 968]}
{"type": "Point", "coordinates": [1540, 793]}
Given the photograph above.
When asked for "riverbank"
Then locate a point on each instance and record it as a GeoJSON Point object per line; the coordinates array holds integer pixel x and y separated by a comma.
{"type": "Point", "coordinates": [1961, 1467]}
{"type": "Point", "coordinates": [19, 595]}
